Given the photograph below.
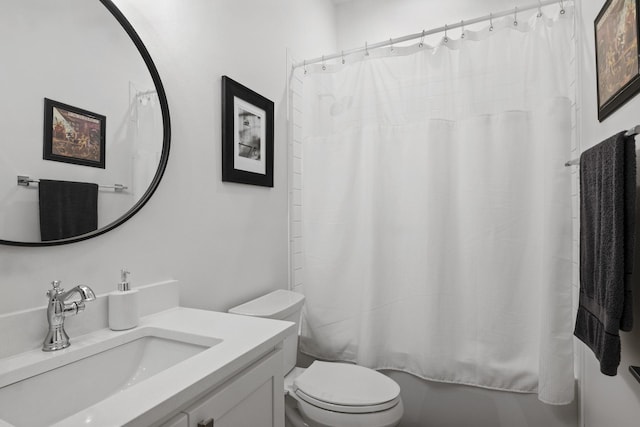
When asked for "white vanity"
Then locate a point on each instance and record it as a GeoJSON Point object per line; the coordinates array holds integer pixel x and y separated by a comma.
{"type": "Point", "coordinates": [180, 367]}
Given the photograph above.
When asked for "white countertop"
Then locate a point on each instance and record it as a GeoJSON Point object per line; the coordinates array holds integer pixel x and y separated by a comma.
{"type": "Point", "coordinates": [244, 339]}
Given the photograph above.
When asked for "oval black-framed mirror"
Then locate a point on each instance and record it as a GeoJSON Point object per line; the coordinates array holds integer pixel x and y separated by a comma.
{"type": "Point", "coordinates": [70, 60]}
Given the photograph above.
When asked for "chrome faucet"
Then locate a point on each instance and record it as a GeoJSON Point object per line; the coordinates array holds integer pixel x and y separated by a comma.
{"type": "Point", "coordinates": [59, 308]}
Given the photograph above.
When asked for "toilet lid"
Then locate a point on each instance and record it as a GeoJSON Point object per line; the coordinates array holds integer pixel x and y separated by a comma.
{"type": "Point", "coordinates": [345, 387]}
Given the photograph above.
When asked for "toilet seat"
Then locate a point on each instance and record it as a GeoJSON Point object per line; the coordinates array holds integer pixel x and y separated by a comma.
{"type": "Point", "coordinates": [347, 409]}
{"type": "Point", "coordinates": [346, 388]}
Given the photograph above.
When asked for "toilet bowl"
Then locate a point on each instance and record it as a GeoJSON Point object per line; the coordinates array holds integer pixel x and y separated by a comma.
{"type": "Point", "coordinates": [326, 394]}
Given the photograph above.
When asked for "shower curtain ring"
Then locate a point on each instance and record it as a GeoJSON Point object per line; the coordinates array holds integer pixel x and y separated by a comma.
{"type": "Point", "coordinates": [539, 9]}
{"type": "Point", "coordinates": [462, 25]}
{"type": "Point", "coordinates": [366, 49]}
{"type": "Point", "coordinates": [391, 44]}
{"type": "Point", "coordinates": [515, 17]}
{"type": "Point", "coordinates": [304, 66]}
{"type": "Point", "coordinates": [490, 21]}
{"type": "Point", "coordinates": [421, 40]}
{"type": "Point", "coordinates": [342, 55]}
{"type": "Point", "coordinates": [324, 67]}
{"type": "Point", "coordinates": [562, 7]}
{"type": "Point", "coordinates": [446, 38]}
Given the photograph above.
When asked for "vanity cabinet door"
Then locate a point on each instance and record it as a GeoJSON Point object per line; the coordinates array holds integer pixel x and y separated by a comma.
{"type": "Point", "coordinates": [253, 398]}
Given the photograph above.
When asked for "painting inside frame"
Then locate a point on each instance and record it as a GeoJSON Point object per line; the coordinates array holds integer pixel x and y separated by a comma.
{"type": "Point", "coordinates": [247, 135]}
{"type": "Point", "coordinates": [73, 135]}
{"type": "Point", "coordinates": [618, 67]}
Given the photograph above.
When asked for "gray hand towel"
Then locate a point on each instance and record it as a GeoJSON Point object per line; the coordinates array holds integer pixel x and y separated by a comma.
{"type": "Point", "coordinates": [67, 209]}
{"type": "Point", "coordinates": [607, 209]}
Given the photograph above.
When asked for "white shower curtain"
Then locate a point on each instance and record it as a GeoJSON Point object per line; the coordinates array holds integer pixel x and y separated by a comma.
{"type": "Point", "coordinates": [436, 209]}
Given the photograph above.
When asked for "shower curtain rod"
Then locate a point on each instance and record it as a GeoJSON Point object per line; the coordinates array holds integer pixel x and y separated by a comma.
{"type": "Point", "coordinates": [422, 34]}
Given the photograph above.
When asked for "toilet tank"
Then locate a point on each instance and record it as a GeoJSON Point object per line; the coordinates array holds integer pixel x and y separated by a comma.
{"type": "Point", "coordinates": [279, 305]}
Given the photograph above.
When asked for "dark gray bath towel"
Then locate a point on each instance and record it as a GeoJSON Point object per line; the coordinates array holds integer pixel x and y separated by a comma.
{"type": "Point", "coordinates": [67, 209]}
{"type": "Point", "coordinates": [607, 209]}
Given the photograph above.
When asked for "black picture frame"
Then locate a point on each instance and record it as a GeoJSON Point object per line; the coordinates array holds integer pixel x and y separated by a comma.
{"type": "Point", "coordinates": [73, 135]}
{"type": "Point", "coordinates": [247, 135]}
{"type": "Point", "coordinates": [617, 50]}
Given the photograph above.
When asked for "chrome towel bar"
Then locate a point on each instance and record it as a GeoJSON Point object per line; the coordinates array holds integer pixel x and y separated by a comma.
{"type": "Point", "coordinates": [26, 180]}
{"type": "Point", "coordinates": [631, 132]}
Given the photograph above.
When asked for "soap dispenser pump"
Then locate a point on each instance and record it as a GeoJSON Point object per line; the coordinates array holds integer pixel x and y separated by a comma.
{"type": "Point", "coordinates": [123, 305]}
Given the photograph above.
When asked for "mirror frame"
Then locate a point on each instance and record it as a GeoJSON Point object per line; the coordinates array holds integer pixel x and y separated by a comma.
{"type": "Point", "coordinates": [166, 125]}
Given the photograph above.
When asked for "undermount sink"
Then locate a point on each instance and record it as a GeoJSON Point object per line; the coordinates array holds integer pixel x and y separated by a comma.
{"type": "Point", "coordinates": [47, 388]}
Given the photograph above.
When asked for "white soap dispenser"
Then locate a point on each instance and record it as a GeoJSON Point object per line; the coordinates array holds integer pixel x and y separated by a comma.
{"type": "Point", "coordinates": [123, 305]}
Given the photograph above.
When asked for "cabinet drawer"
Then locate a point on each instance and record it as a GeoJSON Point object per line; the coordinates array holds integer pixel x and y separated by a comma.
{"type": "Point", "coordinates": [253, 398]}
{"type": "Point", "coordinates": [179, 420]}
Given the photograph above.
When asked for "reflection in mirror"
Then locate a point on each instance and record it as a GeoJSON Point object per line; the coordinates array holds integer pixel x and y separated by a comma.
{"type": "Point", "coordinates": [77, 53]}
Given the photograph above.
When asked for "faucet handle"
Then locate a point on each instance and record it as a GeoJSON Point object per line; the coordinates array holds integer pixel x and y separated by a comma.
{"type": "Point", "coordinates": [56, 289]}
{"type": "Point", "coordinates": [56, 286]}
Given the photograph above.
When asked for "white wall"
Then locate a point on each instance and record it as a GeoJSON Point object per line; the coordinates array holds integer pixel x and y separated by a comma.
{"type": "Point", "coordinates": [607, 401]}
{"type": "Point", "coordinates": [225, 242]}
{"type": "Point", "coordinates": [429, 403]}
{"type": "Point", "coordinates": [374, 21]}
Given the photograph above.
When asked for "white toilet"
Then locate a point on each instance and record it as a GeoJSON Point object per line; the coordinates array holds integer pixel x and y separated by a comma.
{"type": "Point", "coordinates": [326, 394]}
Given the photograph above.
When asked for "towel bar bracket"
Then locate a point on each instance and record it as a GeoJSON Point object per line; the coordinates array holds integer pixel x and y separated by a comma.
{"type": "Point", "coordinates": [24, 180]}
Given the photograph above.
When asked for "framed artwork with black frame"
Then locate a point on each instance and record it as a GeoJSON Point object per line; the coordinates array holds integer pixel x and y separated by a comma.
{"type": "Point", "coordinates": [247, 135]}
{"type": "Point", "coordinates": [73, 135]}
{"type": "Point", "coordinates": [617, 63]}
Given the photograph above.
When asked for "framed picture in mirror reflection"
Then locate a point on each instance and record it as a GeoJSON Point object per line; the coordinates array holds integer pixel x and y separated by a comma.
{"type": "Point", "coordinates": [247, 135]}
{"type": "Point", "coordinates": [73, 135]}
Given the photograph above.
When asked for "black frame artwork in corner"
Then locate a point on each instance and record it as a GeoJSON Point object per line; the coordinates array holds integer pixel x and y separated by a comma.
{"type": "Point", "coordinates": [617, 49]}
{"type": "Point", "coordinates": [247, 135]}
{"type": "Point", "coordinates": [73, 135]}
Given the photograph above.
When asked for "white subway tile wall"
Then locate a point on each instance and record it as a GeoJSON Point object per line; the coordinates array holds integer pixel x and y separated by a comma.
{"type": "Point", "coordinates": [295, 179]}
